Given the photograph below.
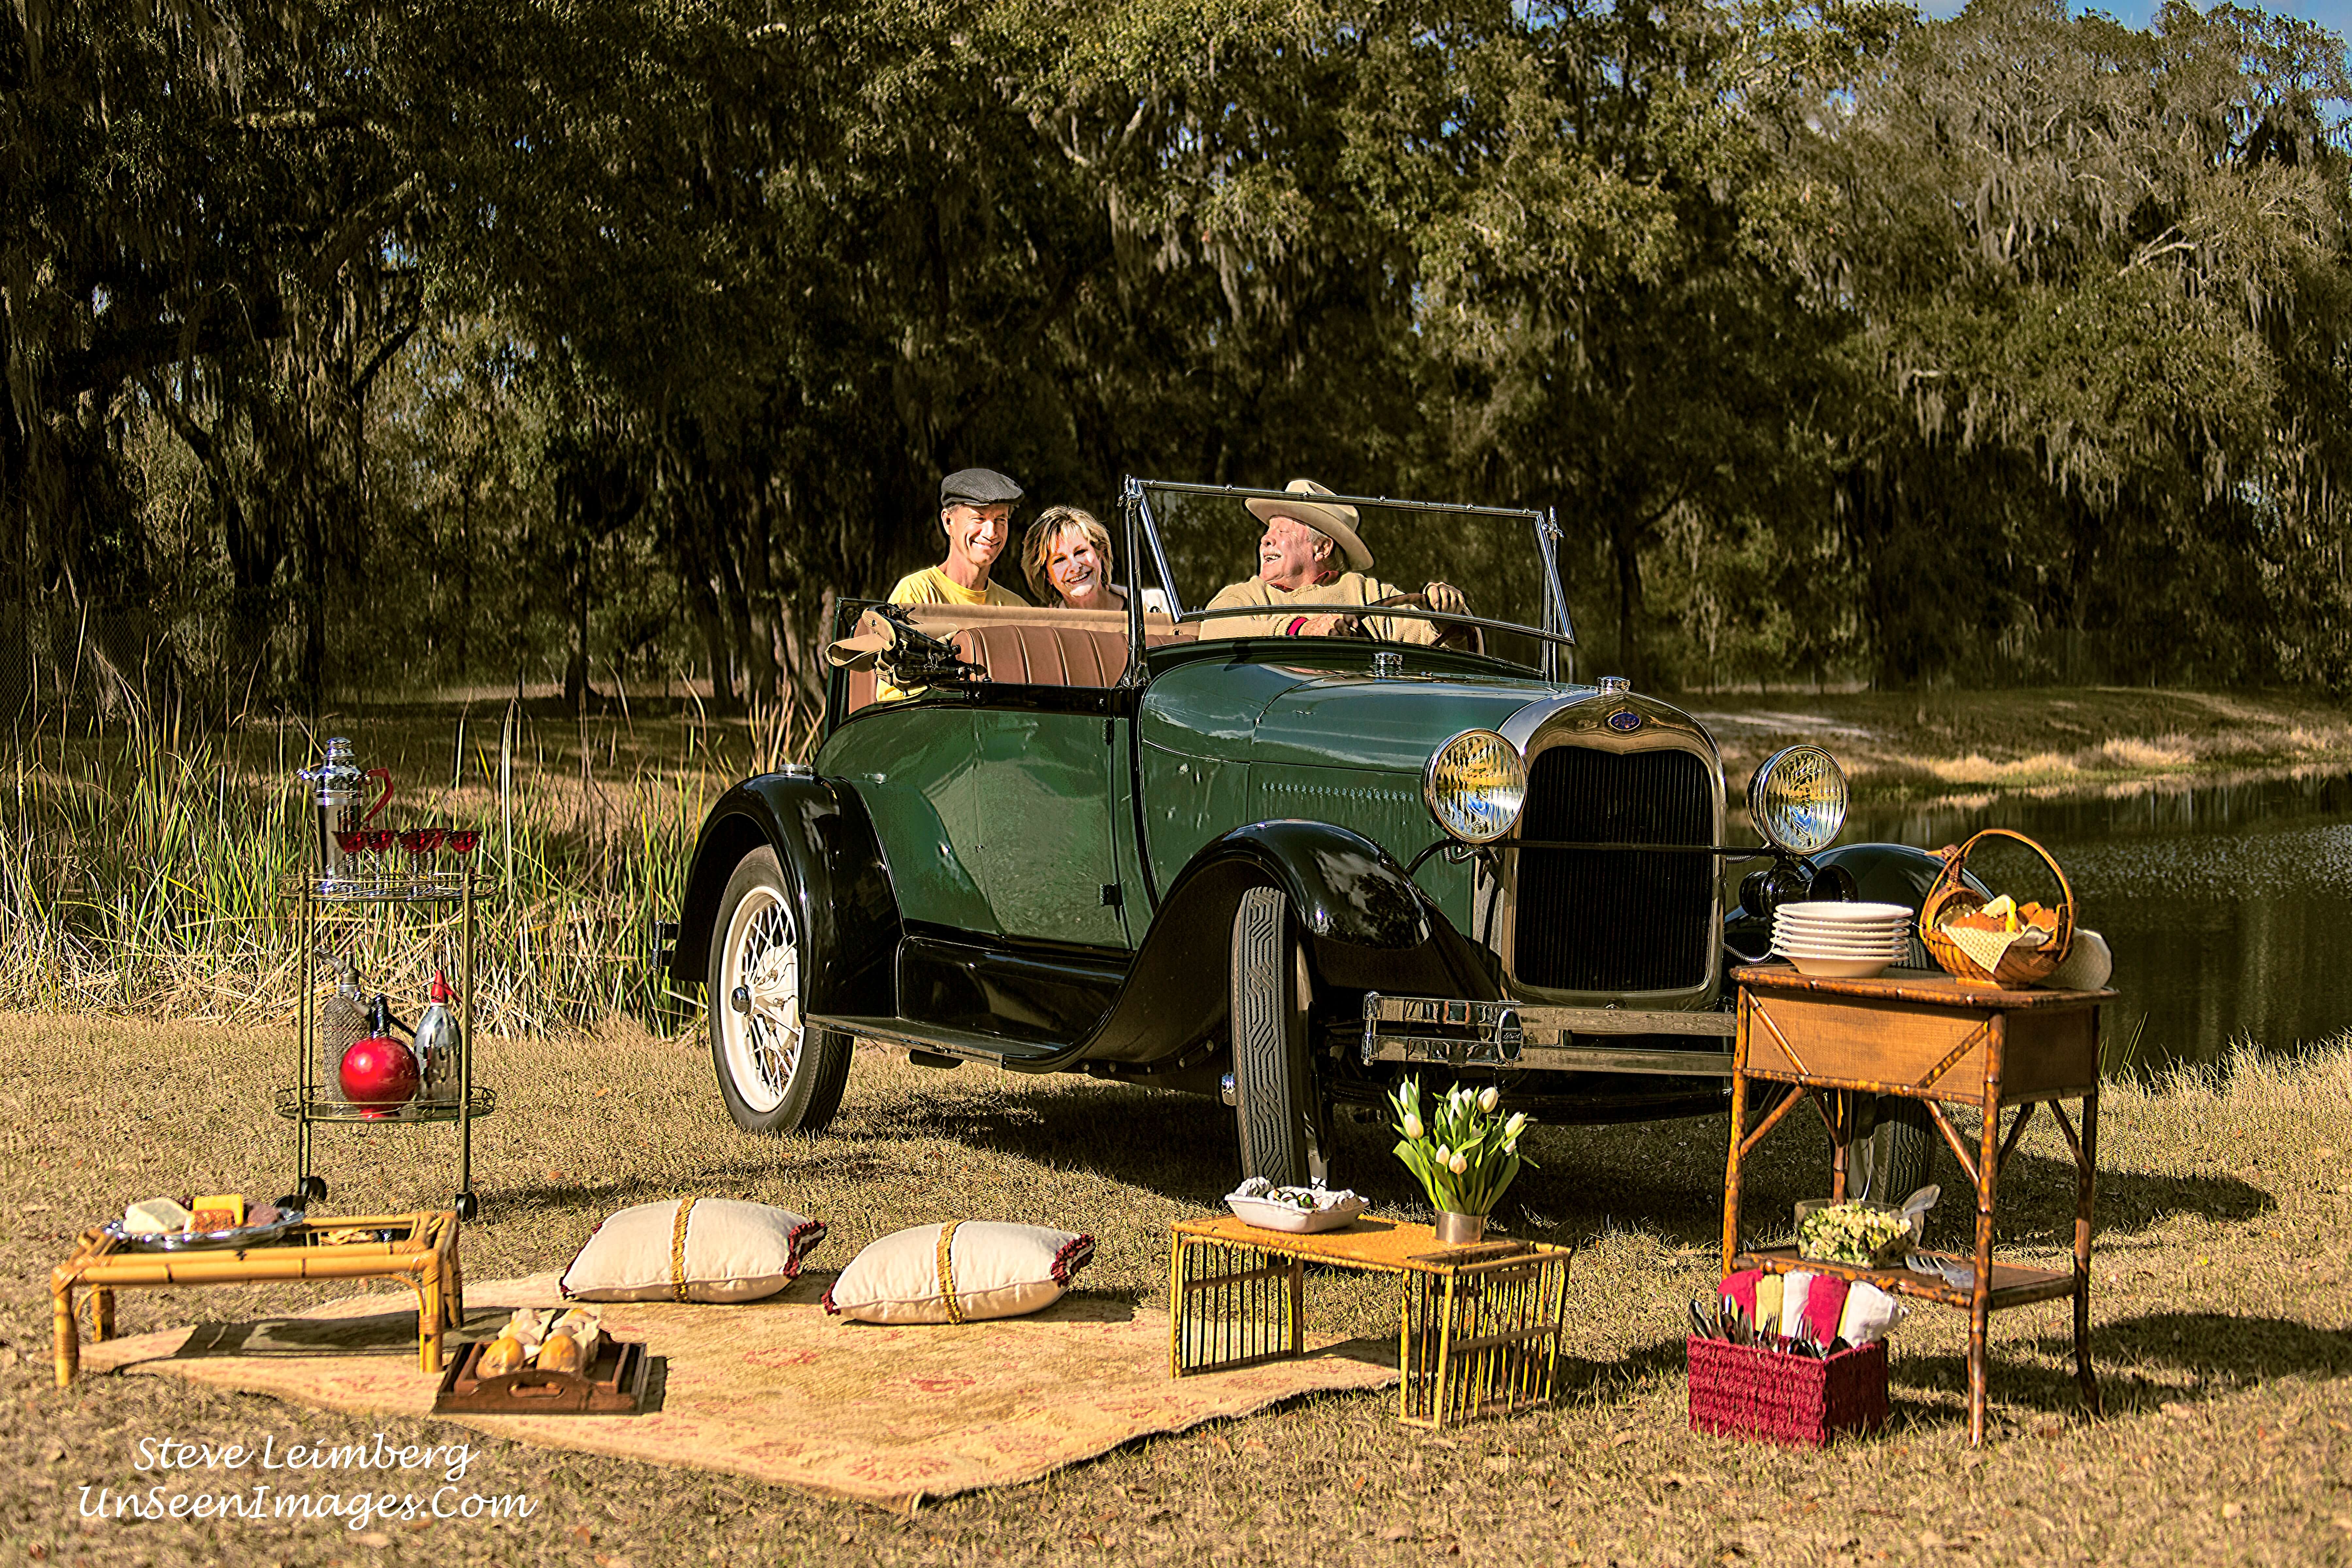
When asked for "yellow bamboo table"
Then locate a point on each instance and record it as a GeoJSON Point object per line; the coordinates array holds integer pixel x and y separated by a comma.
{"type": "Point", "coordinates": [423, 1251]}
{"type": "Point", "coordinates": [1477, 1327]}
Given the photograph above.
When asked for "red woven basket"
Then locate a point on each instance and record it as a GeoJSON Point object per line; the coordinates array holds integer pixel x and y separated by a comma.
{"type": "Point", "coordinates": [1746, 1391]}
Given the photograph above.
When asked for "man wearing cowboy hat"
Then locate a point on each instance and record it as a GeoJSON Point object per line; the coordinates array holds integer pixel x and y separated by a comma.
{"type": "Point", "coordinates": [1309, 555]}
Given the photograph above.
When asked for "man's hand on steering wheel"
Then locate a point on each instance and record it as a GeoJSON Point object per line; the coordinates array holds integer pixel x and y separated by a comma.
{"type": "Point", "coordinates": [1443, 598]}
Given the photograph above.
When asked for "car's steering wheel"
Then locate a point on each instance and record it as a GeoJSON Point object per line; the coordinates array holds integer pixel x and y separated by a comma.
{"type": "Point", "coordinates": [1450, 634]}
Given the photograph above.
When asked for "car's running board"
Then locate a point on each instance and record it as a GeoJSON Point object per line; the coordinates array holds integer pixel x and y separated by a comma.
{"type": "Point", "coordinates": [965, 1045]}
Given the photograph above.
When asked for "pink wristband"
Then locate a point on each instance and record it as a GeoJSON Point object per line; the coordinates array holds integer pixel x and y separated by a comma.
{"type": "Point", "coordinates": [1294, 625]}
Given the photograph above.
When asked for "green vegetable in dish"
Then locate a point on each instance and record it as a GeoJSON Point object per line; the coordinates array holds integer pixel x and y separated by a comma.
{"type": "Point", "coordinates": [1852, 1234]}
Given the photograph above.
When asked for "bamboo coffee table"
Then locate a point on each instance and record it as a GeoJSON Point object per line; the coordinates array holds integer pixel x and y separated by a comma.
{"type": "Point", "coordinates": [423, 1251]}
{"type": "Point", "coordinates": [1477, 1327]}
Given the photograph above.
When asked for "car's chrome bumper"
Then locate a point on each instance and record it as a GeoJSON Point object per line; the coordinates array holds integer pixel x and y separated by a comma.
{"type": "Point", "coordinates": [1455, 1033]}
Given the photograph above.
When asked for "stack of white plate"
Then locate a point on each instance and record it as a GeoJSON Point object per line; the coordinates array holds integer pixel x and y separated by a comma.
{"type": "Point", "coordinates": [1850, 941]}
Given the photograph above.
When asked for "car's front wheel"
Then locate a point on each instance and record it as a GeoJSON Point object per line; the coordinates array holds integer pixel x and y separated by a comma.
{"type": "Point", "coordinates": [1275, 1104]}
{"type": "Point", "coordinates": [776, 1072]}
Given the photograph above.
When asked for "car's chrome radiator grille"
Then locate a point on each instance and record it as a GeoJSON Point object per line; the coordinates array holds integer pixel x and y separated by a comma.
{"type": "Point", "coordinates": [1615, 920]}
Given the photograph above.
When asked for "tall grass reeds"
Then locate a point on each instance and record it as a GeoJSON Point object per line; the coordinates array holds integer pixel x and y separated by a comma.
{"type": "Point", "coordinates": [146, 867]}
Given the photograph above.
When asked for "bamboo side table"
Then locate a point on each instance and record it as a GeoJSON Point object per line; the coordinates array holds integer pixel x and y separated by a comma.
{"type": "Point", "coordinates": [425, 1256]}
{"type": "Point", "coordinates": [1478, 1327]}
{"type": "Point", "coordinates": [1923, 1035]}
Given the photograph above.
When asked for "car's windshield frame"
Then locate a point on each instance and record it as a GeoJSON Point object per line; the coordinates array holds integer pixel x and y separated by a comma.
{"type": "Point", "coordinates": [1142, 530]}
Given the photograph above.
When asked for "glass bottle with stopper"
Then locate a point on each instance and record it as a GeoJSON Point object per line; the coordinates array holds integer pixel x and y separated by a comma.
{"type": "Point", "coordinates": [436, 1045]}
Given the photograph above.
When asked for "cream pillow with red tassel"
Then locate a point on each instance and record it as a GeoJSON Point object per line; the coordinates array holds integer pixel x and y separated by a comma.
{"type": "Point", "coordinates": [960, 1272]}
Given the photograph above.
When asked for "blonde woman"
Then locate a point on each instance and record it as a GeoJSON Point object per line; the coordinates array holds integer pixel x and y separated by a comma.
{"type": "Point", "coordinates": [1068, 560]}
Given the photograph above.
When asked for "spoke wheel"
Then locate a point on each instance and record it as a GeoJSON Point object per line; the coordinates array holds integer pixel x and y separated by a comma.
{"type": "Point", "coordinates": [776, 1073]}
{"type": "Point", "coordinates": [1276, 1108]}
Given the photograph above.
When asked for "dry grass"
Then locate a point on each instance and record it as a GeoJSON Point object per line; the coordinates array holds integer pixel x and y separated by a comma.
{"type": "Point", "coordinates": [2220, 1311]}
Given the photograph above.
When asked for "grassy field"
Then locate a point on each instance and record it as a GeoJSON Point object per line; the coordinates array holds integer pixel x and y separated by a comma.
{"type": "Point", "coordinates": [2221, 1314]}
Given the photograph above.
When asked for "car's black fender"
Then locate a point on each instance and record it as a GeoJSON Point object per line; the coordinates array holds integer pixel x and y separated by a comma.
{"type": "Point", "coordinates": [1367, 925]}
{"type": "Point", "coordinates": [1873, 873]}
{"type": "Point", "coordinates": [838, 883]}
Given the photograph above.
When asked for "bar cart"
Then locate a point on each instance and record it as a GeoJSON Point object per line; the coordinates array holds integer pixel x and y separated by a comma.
{"type": "Point", "coordinates": [351, 902]}
{"type": "Point", "coordinates": [1923, 1035]}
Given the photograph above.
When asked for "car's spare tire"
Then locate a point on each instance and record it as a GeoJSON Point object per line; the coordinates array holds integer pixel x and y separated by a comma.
{"type": "Point", "coordinates": [776, 1072]}
{"type": "Point", "coordinates": [1276, 1108]}
{"type": "Point", "coordinates": [1893, 1154]}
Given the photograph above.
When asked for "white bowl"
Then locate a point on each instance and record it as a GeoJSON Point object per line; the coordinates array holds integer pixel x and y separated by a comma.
{"type": "Point", "coordinates": [1843, 968]}
{"type": "Point", "coordinates": [1267, 1214]}
{"type": "Point", "coordinates": [1847, 914]}
{"type": "Point", "coordinates": [1843, 944]}
{"type": "Point", "coordinates": [1803, 957]}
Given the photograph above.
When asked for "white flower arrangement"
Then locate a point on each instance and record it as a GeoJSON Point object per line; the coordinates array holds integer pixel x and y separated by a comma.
{"type": "Point", "coordinates": [1466, 1152]}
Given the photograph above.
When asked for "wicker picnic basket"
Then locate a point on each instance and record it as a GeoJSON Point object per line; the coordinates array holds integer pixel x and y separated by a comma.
{"type": "Point", "coordinates": [1747, 1390]}
{"type": "Point", "coordinates": [1950, 895]}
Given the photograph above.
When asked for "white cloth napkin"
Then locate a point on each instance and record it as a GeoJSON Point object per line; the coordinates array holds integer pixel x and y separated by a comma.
{"type": "Point", "coordinates": [1793, 1290]}
{"type": "Point", "coordinates": [1870, 1313]}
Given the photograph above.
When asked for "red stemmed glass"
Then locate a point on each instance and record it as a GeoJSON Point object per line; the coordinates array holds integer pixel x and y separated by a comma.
{"type": "Point", "coordinates": [461, 841]}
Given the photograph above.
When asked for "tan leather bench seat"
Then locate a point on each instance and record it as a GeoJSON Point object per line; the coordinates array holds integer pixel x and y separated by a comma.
{"type": "Point", "coordinates": [1034, 646]}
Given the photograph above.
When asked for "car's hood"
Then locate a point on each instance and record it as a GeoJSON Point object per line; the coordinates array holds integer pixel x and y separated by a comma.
{"type": "Point", "coordinates": [1266, 713]}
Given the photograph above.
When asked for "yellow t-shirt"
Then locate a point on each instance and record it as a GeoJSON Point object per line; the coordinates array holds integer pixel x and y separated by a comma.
{"type": "Point", "coordinates": [932, 586]}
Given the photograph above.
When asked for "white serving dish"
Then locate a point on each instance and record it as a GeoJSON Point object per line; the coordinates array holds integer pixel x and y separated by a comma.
{"type": "Point", "coordinates": [1267, 1214]}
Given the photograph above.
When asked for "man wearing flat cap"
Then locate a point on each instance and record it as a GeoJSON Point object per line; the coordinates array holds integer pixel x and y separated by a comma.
{"type": "Point", "coordinates": [1311, 556]}
{"type": "Point", "coordinates": [976, 510]}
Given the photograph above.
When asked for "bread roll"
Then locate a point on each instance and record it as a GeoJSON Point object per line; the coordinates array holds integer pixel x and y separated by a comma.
{"type": "Point", "coordinates": [506, 1355]}
{"type": "Point", "coordinates": [528, 1325]}
{"type": "Point", "coordinates": [560, 1352]}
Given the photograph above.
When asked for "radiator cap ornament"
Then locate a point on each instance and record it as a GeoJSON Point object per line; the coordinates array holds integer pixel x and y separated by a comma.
{"type": "Point", "coordinates": [1624, 720]}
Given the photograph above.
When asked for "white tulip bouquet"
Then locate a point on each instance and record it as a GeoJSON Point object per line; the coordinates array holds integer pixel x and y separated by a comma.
{"type": "Point", "coordinates": [1466, 1151]}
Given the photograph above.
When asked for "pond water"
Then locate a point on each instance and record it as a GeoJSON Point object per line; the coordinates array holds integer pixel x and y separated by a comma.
{"type": "Point", "coordinates": [2227, 906]}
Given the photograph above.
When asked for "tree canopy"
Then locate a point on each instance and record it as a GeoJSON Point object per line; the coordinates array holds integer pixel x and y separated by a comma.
{"type": "Point", "coordinates": [351, 343]}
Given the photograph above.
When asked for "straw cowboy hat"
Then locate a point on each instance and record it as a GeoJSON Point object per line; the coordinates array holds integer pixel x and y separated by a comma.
{"type": "Point", "coordinates": [1325, 516]}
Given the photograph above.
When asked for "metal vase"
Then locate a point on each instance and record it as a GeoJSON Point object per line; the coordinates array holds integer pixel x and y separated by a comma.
{"type": "Point", "coordinates": [1459, 1230]}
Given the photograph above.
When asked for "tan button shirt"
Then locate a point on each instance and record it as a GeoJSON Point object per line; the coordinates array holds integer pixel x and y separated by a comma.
{"type": "Point", "coordinates": [1347, 589]}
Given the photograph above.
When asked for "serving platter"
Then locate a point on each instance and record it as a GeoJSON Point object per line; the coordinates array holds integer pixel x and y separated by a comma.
{"type": "Point", "coordinates": [1269, 1214]}
{"type": "Point", "coordinates": [285, 1224]}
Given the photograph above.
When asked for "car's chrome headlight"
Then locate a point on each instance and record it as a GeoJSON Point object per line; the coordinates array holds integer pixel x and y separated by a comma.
{"type": "Point", "coordinates": [1797, 800]}
{"type": "Point", "coordinates": [1475, 785]}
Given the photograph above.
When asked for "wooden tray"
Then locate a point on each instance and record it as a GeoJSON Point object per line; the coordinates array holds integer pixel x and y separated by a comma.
{"type": "Point", "coordinates": [615, 1385]}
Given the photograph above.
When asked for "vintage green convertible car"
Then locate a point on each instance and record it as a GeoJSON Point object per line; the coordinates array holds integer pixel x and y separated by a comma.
{"type": "Point", "coordinates": [1286, 871]}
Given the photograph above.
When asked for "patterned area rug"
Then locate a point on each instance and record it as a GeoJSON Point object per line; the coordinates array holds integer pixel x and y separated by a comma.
{"type": "Point", "coordinates": [778, 1391]}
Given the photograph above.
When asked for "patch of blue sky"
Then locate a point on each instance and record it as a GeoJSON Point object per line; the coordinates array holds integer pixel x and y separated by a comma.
{"type": "Point", "coordinates": [2334, 14]}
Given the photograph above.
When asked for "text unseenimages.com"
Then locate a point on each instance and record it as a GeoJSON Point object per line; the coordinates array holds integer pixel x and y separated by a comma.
{"type": "Point", "coordinates": [356, 1510]}
{"type": "Point", "coordinates": [266, 1499]}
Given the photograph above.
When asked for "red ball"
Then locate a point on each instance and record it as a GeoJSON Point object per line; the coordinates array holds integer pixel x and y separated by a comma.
{"type": "Point", "coordinates": [379, 1070]}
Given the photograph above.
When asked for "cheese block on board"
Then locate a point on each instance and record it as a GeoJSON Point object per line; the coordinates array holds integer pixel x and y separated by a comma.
{"type": "Point", "coordinates": [155, 1216]}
